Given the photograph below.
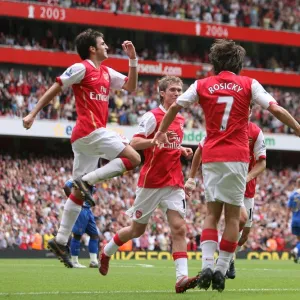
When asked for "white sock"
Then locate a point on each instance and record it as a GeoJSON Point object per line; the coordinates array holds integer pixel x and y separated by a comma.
{"type": "Point", "coordinates": [224, 261]}
{"type": "Point", "coordinates": [181, 267]}
{"type": "Point", "coordinates": [208, 250]}
{"type": "Point", "coordinates": [110, 170]}
{"type": "Point", "coordinates": [69, 217]}
{"type": "Point", "coordinates": [111, 248]}
{"type": "Point", "coordinates": [93, 257]}
{"type": "Point", "coordinates": [74, 259]}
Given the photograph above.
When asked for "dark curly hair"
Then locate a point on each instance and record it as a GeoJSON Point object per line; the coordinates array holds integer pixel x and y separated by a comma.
{"type": "Point", "coordinates": [226, 55]}
{"type": "Point", "coordinates": [85, 40]}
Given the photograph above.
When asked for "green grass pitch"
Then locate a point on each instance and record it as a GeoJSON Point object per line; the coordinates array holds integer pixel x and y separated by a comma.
{"type": "Point", "coordinates": [40, 279]}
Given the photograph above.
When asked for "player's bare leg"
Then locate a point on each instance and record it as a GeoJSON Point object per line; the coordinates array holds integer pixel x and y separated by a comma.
{"type": "Point", "coordinates": [209, 243]}
{"type": "Point", "coordinates": [178, 232]}
{"type": "Point", "coordinates": [127, 160]}
{"type": "Point", "coordinates": [243, 220]}
{"type": "Point", "coordinates": [121, 237]}
{"type": "Point", "coordinates": [228, 245]}
{"type": "Point", "coordinates": [58, 245]}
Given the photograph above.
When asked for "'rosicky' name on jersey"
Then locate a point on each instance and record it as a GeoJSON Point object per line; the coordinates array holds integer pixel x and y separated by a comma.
{"type": "Point", "coordinates": [225, 86]}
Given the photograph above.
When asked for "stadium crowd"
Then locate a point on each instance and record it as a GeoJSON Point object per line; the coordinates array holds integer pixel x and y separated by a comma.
{"type": "Point", "coordinates": [20, 91]}
{"type": "Point", "coordinates": [287, 61]}
{"type": "Point", "coordinates": [272, 14]}
{"type": "Point", "coordinates": [31, 202]}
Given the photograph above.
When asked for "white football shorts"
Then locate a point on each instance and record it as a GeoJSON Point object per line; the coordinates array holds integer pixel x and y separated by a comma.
{"type": "Point", "coordinates": [101, 143]}
{"type": "Point", "coordinates": [147, 200]}
{"type": "Point", "coordinates": [225, 182]}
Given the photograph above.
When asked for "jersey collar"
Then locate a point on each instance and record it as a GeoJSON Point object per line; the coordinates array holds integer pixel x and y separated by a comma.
{"type": "Point", "coordinates": [91, 63]}
{"type": "Point", "coordinates": [162, 108]}
{"type": "Point", "coordinates": [227, 72]}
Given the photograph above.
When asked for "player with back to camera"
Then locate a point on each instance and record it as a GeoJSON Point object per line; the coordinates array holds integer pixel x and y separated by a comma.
{"type": "Point", "coordinates": [225, 99]}
{"type": "Point", "coordinates": [160, 184]}
{"type": "Point", "coordinates": [257, 165]}
{"type": "Point", "coordinates": [91, 82]}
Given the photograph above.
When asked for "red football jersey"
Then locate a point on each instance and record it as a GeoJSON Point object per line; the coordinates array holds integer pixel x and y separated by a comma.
{"type": "Point", "coordinates": [91, 88]}
{"type": "Point", "coordinates": [225, 100]}
{"type": "Point", "coordinates": [257, 151]}
{"type": "Point", "coordinates": [162, 167]}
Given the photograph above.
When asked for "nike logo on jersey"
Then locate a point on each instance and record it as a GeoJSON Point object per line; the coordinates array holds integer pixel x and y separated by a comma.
{"type": "Point", "coordinates": [225, 86]}
{"type": "Point", "coordinates": [93, 78]}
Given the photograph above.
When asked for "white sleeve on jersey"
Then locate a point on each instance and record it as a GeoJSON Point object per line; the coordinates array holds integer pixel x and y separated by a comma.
{"type": "Point", "coordinates": [260, 147]}
{"type": "Point", "coordinates": [117, 79]}
{"type": "Point", "coordinates": [189, 97]}
{"type": "Point", "coordinates": [72, 75]}
{"type": "Point", "coordinates": [260, 95]}
{"type": "Point", "coordinates": [147, 124]}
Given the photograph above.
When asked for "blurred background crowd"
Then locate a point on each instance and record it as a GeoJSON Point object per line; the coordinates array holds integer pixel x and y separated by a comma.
{"type": "Point", "coordinates": [268, 14]}
{"type": "Point", "coordinates": [20, 91]}
{"type": "Point", "coordinates": [32, 199]}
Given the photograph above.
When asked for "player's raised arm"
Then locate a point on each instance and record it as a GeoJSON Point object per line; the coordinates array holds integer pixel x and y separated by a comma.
{"type": "Point", "coordinates": [45, 100]}
{"type": "Point", "coordinates": [131, 83]}
{"type": "Point", "coordinates": [285, 117]}
{"type": "Point", "coordinates": [72, 75]}
{"type": "Point", "coordinates": [263, 98]}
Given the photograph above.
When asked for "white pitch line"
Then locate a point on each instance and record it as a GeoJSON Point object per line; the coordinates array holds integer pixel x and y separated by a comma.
{"type": "Point", "coordinates": [140, 292]}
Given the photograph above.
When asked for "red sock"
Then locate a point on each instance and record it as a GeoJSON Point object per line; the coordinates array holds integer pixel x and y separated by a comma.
{"type": "Point", "coordinates": [127, 163]}
{"type": "Point", "coordinates": [177, 255]}
{"type": "Point", "coordinates": [117, 240]}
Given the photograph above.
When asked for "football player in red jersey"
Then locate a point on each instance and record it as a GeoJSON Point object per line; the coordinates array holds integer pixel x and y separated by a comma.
{"type": "Point", "coordinates": [256, 166]}
{"type": "Point", "coordinates": [160, 184]}
{"type": "Point", "coordinates": [225, 99]}
{"type": "Point", "coordinates": [91, 82]}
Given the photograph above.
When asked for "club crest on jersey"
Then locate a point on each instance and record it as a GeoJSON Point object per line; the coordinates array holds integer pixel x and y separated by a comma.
{"type": "Point", "coordinates": [250, 141]}
{"type": "Point", "coordinates": [138, 214]}
{"type": "Point", "coordinates": [105, 76]}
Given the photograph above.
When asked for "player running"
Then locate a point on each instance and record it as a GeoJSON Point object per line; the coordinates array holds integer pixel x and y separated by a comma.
{"type": "Point", "coordinates": [160, 184]}
{"type": "Point", "coordinates": [91, 82]}
{"type": "Point", "coordinates": [256, 167]}
{"type": "Point", "coordinates": [294, 206]}
{"type": "Point", "coordinates": [225, 99]}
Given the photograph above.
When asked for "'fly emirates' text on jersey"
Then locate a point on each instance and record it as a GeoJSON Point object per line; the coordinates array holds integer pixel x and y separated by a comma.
{"type": "Point", "coordinates": [257, 150]}
{"type": "Point", "coordinates": [162, 167]}
{"type": "Point", "coordinates": [91, 90]}
{"type": "Point", "coordinates": [225, 100]}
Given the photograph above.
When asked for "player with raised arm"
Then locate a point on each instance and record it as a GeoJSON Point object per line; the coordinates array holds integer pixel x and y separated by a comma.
{"type": "Point", "coordinates": [225, 99]}
{"type": "Point", "coordinates": [160, 184]}
{"type": "Point", "coordinates": [257, 166]}
{"type": "Point", "coordinates": [91, 82]}
{"type": "Point", "coordinates": [294, 207]}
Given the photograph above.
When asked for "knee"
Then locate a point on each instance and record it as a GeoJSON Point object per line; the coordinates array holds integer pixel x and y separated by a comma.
{"type": "Point", "coordinates": [137, 232]}
{"type": "Point", "coordinates": [178, 231]}
{"type": "Point", "coordinates": [243, 220]}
